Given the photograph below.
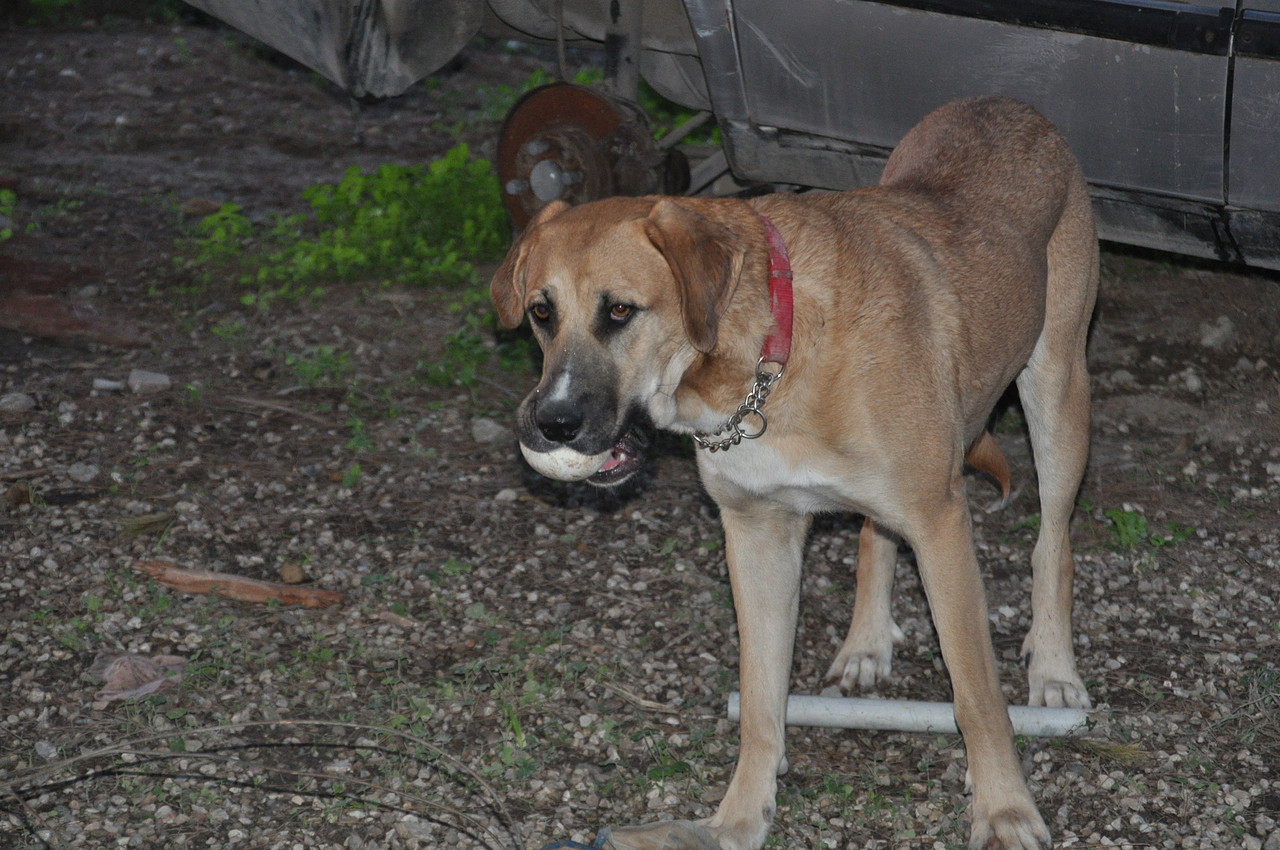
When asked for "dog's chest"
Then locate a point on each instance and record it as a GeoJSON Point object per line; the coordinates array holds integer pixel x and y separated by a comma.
{"type": "Point", "coordinates": [814, 485]}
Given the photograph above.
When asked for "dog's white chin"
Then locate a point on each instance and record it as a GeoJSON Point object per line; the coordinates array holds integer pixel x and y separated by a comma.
{"type": "Point", "coordinates": [564, 464]}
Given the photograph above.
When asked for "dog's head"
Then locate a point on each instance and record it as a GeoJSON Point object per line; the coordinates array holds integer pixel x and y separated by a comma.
{"type": "Point", "coordinates": [623, 296]}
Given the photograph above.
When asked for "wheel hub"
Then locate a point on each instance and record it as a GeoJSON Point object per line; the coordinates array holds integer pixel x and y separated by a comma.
{"type": "Point", "coordinates": [571, 143]}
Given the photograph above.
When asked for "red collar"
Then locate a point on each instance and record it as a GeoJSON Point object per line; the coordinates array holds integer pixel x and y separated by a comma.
{"type": "Point", "coordinates": [777, 346]}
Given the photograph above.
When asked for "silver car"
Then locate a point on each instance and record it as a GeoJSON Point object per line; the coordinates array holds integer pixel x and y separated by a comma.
{"type": "Point", "coordinates": [1172, 108]}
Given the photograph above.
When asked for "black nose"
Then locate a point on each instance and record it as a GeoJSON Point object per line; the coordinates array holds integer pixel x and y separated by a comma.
{"type": "Point", "coordinates": [559, 422]}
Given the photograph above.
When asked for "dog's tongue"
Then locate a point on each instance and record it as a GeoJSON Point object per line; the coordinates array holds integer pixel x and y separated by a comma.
{"type": "Point", "coordinates": [617, 457]}
{"type": "Point", "coordinates": [626, 456]}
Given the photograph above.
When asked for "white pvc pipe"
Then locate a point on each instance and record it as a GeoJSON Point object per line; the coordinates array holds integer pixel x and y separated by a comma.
{"type": "Point", "coordinates": [914, 716]}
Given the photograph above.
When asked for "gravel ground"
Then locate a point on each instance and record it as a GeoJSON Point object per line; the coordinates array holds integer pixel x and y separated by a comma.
{"type": "Point", "coordinates": [513, 661]}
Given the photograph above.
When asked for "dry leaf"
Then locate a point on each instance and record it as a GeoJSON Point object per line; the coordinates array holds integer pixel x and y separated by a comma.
{"type": "Point", "coordinates": [18, 494]}
{"type": "Point", "coordinates": [127, 675]}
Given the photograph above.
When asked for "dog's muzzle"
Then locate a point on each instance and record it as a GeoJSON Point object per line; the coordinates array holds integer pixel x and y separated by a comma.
{"type": "Point", "coordinates": [547, 435]}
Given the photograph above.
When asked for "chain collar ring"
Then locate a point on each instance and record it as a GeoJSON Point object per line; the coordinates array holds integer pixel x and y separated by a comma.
{"type": "Point", "coordinates": [737, 426]}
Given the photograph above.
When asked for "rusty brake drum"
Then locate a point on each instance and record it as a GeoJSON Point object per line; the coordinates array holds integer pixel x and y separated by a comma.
{"type": "Point", "coordinates": [569, 142]}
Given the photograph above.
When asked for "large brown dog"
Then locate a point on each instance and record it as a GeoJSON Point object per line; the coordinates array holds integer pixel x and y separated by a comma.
{"type": "Point", "coordinates": [916, 303]}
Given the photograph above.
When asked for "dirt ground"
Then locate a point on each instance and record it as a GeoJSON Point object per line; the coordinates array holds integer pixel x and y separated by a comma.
{"type": "Point", "coordinates": [512, 662]}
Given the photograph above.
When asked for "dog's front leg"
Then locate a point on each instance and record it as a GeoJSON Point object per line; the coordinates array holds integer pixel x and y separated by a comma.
{"type": "Point", "coordinates": [1004, 815]}
{"type": "Point", "coordinates": [764, 546]}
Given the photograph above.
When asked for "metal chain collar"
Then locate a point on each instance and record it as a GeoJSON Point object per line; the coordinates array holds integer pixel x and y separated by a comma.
{"type": "Point", "coordinates": [752, 406]}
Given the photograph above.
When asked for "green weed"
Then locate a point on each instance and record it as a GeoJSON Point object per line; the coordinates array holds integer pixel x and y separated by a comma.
{"type": "Point", "coordinates": [497, 100]}
{"type": "Point", "coordinates": [455, 567]}
{"type": "Point", "coordinates": [319, 365]}
{"type": "Point", "coordinates": [223, 235]}
{"type": "Point", "coordinates": [229, 330]}
{"type": "Point", "coordinates": [665, 116]}
{"type": "Point", "coordinates": [470, 347]}
{"type": "Point", "coordinates": [464, 353]}
{"type": "Point", "coordinates": [666, 764]}
{"type": "Point", "coordinates": [1130, 527]}
{"type": "Point", "coordinates": [1030, 523]}
{"type": "Point", "coordinates": [1132, 530]}
{"type": "Point", "coordinates": [8, 203]}
{"type": "Point", "coordinates": [352, 476]}
{"type": "Point", "coordinates": [398, 223]}
{"type": "Point", "coordinates": [360, 440]}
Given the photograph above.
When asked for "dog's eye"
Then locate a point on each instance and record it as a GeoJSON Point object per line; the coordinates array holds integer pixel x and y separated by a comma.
{"type": "Point", "coordinates": [621, 312]}
{"type": "Point", "coordinates": [540, 312]}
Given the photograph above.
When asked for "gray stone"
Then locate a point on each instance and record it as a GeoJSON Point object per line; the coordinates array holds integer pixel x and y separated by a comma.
{"type": "Point", "coordinates": [16, 402]}
{"type": "Point", "coordinates": [485, 430]}
{"type": "Point", "coordinates": [82, 472]}
{"type": "Point", "coordinates": [1219, 335]}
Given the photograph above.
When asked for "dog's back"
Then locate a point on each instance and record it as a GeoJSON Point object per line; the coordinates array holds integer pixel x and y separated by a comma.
{"type": "Point", "coordinates": [995, 232]}
{"type": "Point", "coordinates": [990, 152]}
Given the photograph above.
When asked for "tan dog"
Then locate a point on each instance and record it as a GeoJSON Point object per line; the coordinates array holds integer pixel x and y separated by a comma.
{"type": "Point", "coordinates": [916, 303]}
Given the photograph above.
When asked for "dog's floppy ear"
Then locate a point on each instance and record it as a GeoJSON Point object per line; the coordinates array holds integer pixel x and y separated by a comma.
{"type": "Point", "coordinates": [508, 284]}
{"type": "Point", "coordinates": [706, 261]}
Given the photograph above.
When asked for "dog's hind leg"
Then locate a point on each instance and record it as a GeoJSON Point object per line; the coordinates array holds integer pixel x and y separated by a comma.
{"type": "Point", "coordinates": [1056, 401]}
{"type": "Point", "coordinates": [866, 657]}
{"type": "Point", "coordinates": [1054, 388]}
{"type": "Point", "coordinates": [1004, 817]}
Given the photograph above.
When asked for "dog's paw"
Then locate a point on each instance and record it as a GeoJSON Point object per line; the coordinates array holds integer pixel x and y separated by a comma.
{"type": "Point", "coordinates": [1009, 829]}
{"type": "Point", "coordinates": [1059, 694]}
{"type": "Point", "coordinates": [863, 664]}
{"type": "Point", "coordinates": [669, 835]}
{"type": "Point", "coordinates": [1052, 679]}
{"type": "Point", "coordinates": [687, 835]}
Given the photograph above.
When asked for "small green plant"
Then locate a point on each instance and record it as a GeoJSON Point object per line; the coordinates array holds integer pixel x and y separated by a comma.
{"type": "Point", "coordinates": [318, 365]}
{"type": "Point", "coordinates": [8, 202]}
{"type": "Point", "coordinates": [229, 330]}
{"type": "Point", "coordinates": [360, 440]}
{"type": "Point", "coordinates": [455, 567]}
{"type": "Point", "coordinates": [665, 116]}
{"type": "Point", "coordinates": [497, 100]}
{"type": "Point", "coordinates": [666, 764]}
{"type": "Point", "coordinates": [222, 235]}
{"type": "Point", "coordinates": [1177, 533]}
{"type": "Point", "coordinates": [469, 348]}
{"type": "Point", "coordinates": [352, 476]}
{"type": "Point", "coordinates": [414, 224]}
{"type": "Point", "coordinates": [1132, 530]}
{"type": "Point", "coordinates": [464, 353]}
{"type": "Point", "coordinates": [1031, 523]}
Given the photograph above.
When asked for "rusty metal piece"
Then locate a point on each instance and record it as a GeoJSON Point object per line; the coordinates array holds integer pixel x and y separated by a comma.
{"type": "Point", "coordinates": [569, 142]}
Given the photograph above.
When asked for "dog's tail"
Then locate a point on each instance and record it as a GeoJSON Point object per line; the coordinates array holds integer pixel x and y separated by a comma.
{"type": "Point", "coordinates": [985, 456]}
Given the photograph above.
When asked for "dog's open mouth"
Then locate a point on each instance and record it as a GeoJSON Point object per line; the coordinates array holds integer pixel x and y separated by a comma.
{"type": "Point", "coordinates": [605, 469]}
{"type": "Point", "coordinates": [625, 458]}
